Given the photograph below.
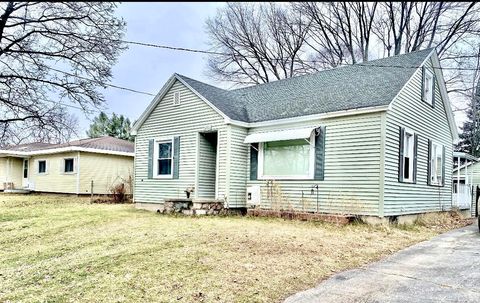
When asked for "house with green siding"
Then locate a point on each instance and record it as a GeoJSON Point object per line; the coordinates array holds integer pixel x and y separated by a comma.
{"type": "Point", "coordinates": [371, 139]}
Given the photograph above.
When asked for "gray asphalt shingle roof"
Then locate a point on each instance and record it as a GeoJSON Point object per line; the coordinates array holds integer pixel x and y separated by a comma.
{"type": "Point", "coordinates": [102, 143]}
{"type": "Point", "coordinates": [369, 84]}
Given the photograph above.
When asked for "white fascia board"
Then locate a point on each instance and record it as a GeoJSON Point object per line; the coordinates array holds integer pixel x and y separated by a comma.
{"type": "Point", "coordinates": [162, 94]}
{"type": "Point", "coordinates": [201, 97]}
{"type": "Point", "coordinates": [65, 150]}
{"type": "Point", "coordinates": [348, 112]}
{"type": "Point", "coordinates": [446, 101]}
{"type": "Point", "coordinates": [153, 104]}
{"type": "Point", "coordinates": [410, 79]}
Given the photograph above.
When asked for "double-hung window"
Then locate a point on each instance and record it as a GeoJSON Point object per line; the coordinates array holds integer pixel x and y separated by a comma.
{"type": "Point", "coordinates": [163, 158]}
{"type": "Point", "coordinates": [428, 86]}
{"type": "Point", "coordinates": [408, 157]}
{"type": "Point", "coordinates": [68, 165]}
{"type": "Point", "coordinates": [42, 166]}
{"type": "Point", "coordinates": [437, 163]}
{"type": "Point", "coordinates": [288, 159]}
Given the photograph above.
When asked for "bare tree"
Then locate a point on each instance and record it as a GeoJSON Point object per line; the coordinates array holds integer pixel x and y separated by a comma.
{"type": "Point", "coordinates": [340, 32]}
{"type": "Point", "coordinates": [252, 40]}
{"type": "Point", "coordinates": [409, 26]}
{"type": "Point", "coordinates": [52, 54]}
{"type": "Point", "coordinates": [256, 43]}
{"type": "Point", "coordinates": [61, 126]}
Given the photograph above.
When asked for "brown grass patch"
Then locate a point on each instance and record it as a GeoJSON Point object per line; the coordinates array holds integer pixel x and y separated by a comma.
{"type": "Point", "coordinates": [60, 249]}
{"type": "Point", "coordinates": [443, 221]}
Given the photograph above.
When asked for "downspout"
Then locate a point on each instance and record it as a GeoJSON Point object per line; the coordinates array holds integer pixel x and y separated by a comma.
{"type": "Point", "coordinates": [467, 184]}
{"type": "Point", "coordinates": [458, 181]}
{"type": "Point", "coordinates": [7, 176]}
{"type": "Point", "coordinates": [78, 173]}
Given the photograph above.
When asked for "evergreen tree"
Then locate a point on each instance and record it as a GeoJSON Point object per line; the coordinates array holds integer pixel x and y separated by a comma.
{"type": "Point", "coordinates": [470, 136]}
{"type": "Point", "coordinates": [115, 126]}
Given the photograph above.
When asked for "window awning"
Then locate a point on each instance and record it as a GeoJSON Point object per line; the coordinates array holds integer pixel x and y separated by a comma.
{"type": "Point", "coordinates": [287, 134]}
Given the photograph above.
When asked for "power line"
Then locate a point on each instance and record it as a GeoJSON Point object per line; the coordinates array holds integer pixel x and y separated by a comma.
{"type": "Point", "coordinates": [98, 82]}
{"type": "Point", "coordinates": [193, 50]}
{"type": "Point", "coordinates": [310, 61]}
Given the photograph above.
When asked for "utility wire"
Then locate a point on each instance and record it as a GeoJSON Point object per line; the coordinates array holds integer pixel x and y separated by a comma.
{"type": "Point", "coordinates": [309, 61]}
{"type": "Point", "coordinates": [93, 80]}
{"type": "Point", "coordinates": [193, 50]}
{"type": "Point", "coordinates": [184, 49]}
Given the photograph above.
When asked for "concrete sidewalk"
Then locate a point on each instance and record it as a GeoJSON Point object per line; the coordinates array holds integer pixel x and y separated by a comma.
{"type": "Point", "coordinates": [444, 269]}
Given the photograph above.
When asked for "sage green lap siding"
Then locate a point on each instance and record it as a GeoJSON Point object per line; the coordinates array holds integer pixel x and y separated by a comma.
{"type": "Point", "coordinates": [167, 120]}
{"type": "Point", "coordinates": [408, 110]}
{"type": "Point", "coordinates": [206, 168]}
{"type": "Point", "coordinates": [352, 170]}
{"type": "Point", "coordinates": [238, 161]}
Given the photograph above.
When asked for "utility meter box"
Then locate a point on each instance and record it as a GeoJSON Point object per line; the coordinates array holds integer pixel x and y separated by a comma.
{"type": "Point", "coordinates": [253, 195]}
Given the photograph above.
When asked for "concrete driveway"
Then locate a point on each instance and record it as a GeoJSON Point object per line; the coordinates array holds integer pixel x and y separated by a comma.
{"type": "Point", "coordinates": [444, 269]}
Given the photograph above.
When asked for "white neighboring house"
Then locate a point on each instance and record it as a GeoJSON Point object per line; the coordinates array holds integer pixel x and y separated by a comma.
{"type": "Point", "coordinates": [465, 180]}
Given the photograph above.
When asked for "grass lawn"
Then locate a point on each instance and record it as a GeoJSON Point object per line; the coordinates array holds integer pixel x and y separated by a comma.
{"type": "Point", "coordinates": [64, 249]}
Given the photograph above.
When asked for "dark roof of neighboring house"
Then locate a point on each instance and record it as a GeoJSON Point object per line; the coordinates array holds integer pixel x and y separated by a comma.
{"type": "Point", "coordinates": [369, 84]}
{"type": "Point", "coordinates": [30, 146]}
{"type": "Point", "coordinates": [102, 143]}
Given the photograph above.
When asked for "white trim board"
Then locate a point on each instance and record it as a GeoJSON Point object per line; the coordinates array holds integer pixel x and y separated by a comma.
{"type": "Point", "coordinates": [156, 100]}
{"type": "Point", "coordinates": [357, 111]}
{"type": "Point", "coordinates": [286, 121]}
{"type": "Point", "coordinates": [445, 99]}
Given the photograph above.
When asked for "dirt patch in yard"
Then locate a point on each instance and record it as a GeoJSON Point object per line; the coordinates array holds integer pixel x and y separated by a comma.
{"type": "Point", "coordinates": [58, 248]}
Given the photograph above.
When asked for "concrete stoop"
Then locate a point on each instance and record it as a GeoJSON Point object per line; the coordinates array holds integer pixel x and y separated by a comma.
{"type": "Point", "coordinates": [193, 207]}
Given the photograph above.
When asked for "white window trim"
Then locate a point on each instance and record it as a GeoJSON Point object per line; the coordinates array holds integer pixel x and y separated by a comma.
{"type": "Point", "coordinates": [62, 167]}
{"type": "Point", "coordinates": [38, 167]}
{"type": "Point", "coordinates": [410, 179]}
{"type": "Point", "coordinates": [311, 170]}
{"type": "Point", "coordinates": [428, 98]}
{"type": "Point", "coordinates": [433, 176]}
{"type": "Point", "coordinates": [155, 157]}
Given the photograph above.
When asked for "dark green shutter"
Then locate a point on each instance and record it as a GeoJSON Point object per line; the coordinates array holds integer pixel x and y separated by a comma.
{"type": "Point", "coordinates": [150, 158]}
{"type": "Point", "coordinates": [320, 153]}
{"type": "Point", "coordinates": [400, 154]}
{"type": "Point", "coordinates": [429, 163]}
{"type": "Point", "coordinates": [415, 149]}
{"type": "Point", "coordinates": [434, 80]}
{"type": "Point", "coordinates": [423, 83]}
{"type": "Point", "coordinates": [253, 161]}
{"type": "Point", "coordinates": [176, 157]}
{"type": "Point", "coordinates": [443, 165]}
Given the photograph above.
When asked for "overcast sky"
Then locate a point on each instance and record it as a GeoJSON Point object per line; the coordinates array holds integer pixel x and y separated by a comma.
{"type": "Point", "coordinates": [146, 68]}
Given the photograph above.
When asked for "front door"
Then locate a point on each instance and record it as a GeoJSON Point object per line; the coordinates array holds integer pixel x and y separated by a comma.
{"type": "Point", "coordinates": [207, 165]}
{"type": "Point", "coordinates": [25, 173]}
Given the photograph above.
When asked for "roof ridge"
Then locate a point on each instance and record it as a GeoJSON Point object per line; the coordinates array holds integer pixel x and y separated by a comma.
{"type": "Point", "coordinates": [182, 76]}
{"type": "Point", "coordinates": [363, 63]}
